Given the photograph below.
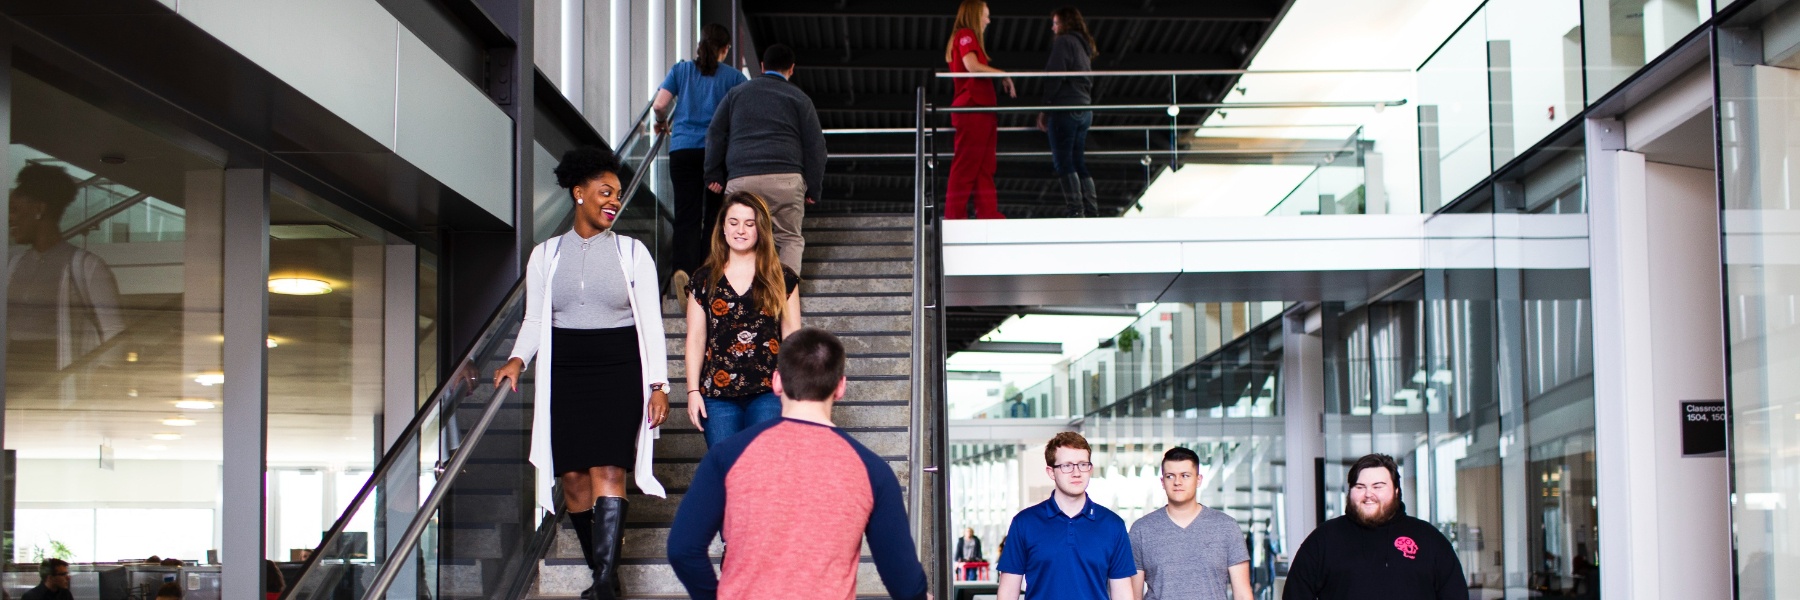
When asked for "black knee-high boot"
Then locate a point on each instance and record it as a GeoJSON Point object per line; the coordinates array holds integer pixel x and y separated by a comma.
{"type": "Point", "coordinates": [583, 522]}
{"type": "Point", "coordinates": [608, 544]}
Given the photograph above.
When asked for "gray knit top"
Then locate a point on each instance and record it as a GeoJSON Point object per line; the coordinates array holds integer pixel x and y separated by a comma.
{"type": "Point", "coordinates": [588, 289]}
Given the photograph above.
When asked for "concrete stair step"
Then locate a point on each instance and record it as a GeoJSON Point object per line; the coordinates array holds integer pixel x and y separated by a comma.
{"type": "Point", "coordinates": [834, 302]}
{"type": "Point", "coordinates": [891, 235]}
{"type": "Point", "coordinates": [854, 343]}
{"type": "Point", "coordinates": [831, 251]}
{"type": "Point", "coordinates": [845, 415]}
{"type": "Point", "coordinates": [856, 222]}
{"type": "Point", "coordinates": [678, 473]}
{"type": "Point", "coordinates": [859, 389]}
{"type": "Point", "coordinates": [854, 285]}
{"type": "Point", "coordinates": [691, 444]}
{"type": "Point", "coordinates": [856, 364]}
{"type": "Point", "coordinates": [856, 266]}
{"type": "Point", "coordinates": [839, 323]}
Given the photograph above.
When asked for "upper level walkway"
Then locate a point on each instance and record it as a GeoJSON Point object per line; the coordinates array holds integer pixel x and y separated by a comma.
{"type": "Point", "coordinates": [1233, 259]}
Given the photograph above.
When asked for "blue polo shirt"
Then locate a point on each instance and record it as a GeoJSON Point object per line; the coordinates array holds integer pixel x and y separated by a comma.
{"type": "Point", "coordinates": [1064, 557]}
{"type": "Point", "coordinates": [696, 98]}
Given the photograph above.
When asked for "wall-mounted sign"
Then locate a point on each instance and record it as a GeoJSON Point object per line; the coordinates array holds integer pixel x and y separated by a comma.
{"type": "Point", "coordinates": [1703, 428]}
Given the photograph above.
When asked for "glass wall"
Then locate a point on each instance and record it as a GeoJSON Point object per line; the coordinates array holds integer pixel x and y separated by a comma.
{"type": "Point", "coordinates": [1479, 382]}
{"type": "Point", "coordinates": [1759, 82]}
{"type": "Point", "coordinates": [329, 288]}
{"type": "Point", "coordinates": [112, 331]}
{"type": "Point", "coordinates": [1518, 70]}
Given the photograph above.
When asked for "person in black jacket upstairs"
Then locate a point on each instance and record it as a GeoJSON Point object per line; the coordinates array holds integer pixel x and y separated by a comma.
{"type": "Point", "coordinates": [1376, 550]}
{"type": "Point", "coordinates": [1073, 49]}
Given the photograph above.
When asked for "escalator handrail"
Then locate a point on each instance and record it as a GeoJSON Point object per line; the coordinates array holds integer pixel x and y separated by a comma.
{"type": "Point", "coordinates": [463, 372]}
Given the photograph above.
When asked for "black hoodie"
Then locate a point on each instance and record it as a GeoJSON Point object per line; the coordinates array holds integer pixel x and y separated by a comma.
{"type": "Point", "coordinates": [1403, 559]}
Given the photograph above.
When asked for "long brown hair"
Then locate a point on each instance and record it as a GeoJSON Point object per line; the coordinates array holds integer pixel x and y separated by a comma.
{"type": "Point", "coordinates": [968, 16]}
{"type": "Point", "coordinates": [770, 287]}
{"type": "Point", "coordinates": [713, 38]}
{"type": "Point", "coordinates": [1071, 20]}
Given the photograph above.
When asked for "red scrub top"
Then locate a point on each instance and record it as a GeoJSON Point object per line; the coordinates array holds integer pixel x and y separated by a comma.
{"type": "Point", "coordinates": [970, 91]}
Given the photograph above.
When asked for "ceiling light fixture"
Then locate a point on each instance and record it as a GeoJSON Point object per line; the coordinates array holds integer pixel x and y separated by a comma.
{"type": "Point", "coordinates": [272, 343]}
{"type": "Point", "coordinates": [194, 404]}
{"type": "Point", "coordinates": [209, 379]}
{"type": "Point", "coordinates": [167, 437]}
{"type": "Point", "coordinates": [178, 422]}
{"type": "Point", "coordinates": [298, 286]}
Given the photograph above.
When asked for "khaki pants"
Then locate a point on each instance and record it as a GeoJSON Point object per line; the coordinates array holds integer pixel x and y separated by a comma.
{"type": "Point", "coordinates": [785, 194]}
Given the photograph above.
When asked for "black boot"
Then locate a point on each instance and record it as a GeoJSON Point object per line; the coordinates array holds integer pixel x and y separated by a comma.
{"type": "Point", "coordinates": [584, 531]}
{"type": "Point", "coordinates": [1090, 199]}
{"type": "Point", "coordinates": [608, 543]}
{"type": "Point", "coordinates": [1071, 189]}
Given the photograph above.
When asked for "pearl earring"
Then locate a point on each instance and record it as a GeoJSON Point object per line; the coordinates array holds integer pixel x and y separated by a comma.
{"type": "Point", "coordinates": [578, 201]}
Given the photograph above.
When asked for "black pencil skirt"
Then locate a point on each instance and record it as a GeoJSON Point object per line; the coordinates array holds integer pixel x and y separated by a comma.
{"type": "Point", "coordinates": [596, 398]}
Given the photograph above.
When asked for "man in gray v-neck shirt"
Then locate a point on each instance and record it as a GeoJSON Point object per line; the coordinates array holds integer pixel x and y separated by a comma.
{"type": "Point", "coordinates": [1185, 551]}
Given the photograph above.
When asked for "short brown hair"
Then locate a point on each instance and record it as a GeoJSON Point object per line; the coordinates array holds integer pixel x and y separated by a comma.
{"type": "Point", "coordinates": [811, 363]}
{"type": "Point", "coordinates": [1066, 439]}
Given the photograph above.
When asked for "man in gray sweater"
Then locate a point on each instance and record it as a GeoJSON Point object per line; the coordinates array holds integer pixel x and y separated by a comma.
{"type": "Point", "coordinates": [765, 138]}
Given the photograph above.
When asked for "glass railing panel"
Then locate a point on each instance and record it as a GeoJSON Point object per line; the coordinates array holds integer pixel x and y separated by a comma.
{"type": "Point", "coordinates": [1455, 147]}
{"type": "Point", "coordinates": [1148, 156]}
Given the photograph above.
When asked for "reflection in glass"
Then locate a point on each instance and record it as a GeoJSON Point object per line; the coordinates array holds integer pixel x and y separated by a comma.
{"type": "Point", "coordinates": [1758, 88]}
{"type": "Point", "coordinates": [1624, 35]}
{"type": "Point", "coordinates": [112, 335]}
{"type": "Point", "coordinates": [1455, 147]}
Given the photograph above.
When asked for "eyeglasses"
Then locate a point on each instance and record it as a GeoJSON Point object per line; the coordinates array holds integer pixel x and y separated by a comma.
{"type": "Point", "coordinates": [1071, 467]}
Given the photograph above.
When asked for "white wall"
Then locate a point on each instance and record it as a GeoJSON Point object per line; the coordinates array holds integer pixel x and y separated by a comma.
{"type": "Point", "coordinates": [357, 61]}
{"type": "Point", "coordinates": [1687, 333]}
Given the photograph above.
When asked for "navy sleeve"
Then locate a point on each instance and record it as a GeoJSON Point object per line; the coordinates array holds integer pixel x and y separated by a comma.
{"type": "Point", "coordinates": [812, 147]}
{"type": "Point", "coordinates": [701, 515]}
{"type": "Point", "coordinates": [717, 133]}
{"type": "Point", "coordinates": [888, 531]}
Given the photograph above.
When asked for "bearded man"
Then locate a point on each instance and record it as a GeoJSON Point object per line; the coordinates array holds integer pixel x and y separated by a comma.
{"type": "Point", "coordinates": [1376, 550]}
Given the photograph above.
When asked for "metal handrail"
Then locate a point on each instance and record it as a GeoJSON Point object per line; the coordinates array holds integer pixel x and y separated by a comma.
{"type": "Point", "coordinates": [385, 576]}
{"type": "Point", "coordinates": [1164, 107]}
{"type": "Point", "coordinates": [103, 215]}
{"type": "Point", "coordinates": [1174, 73]}
{"type": "Point", "coordinates": [927, 357]}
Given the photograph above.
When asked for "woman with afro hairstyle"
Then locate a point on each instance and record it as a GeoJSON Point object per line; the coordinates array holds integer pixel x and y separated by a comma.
{"type": "Point", "coordinates": [591, 294]}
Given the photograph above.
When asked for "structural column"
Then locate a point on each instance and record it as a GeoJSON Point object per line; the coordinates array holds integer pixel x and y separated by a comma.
{"type": "Point", "coordinates": [245, 391]}
{"type": "Point", "coordinates": [1302, 397]}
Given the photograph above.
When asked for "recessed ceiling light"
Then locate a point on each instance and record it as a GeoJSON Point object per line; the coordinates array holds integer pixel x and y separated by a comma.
{"type": "Point", "coordinates": [209, 379]}
{"type": "Point", "coordinates": [298, 286]}
{"type": "Point", "coordinates": [272, 343]}
{"type": "Point", "coordinates": [167, 437]}
{"type": "Point", "coordinates": [178, 422]}
{"type": "Point", "coordinates": [193, 404]}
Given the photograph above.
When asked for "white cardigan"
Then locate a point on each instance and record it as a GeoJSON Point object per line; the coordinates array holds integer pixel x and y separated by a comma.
{"type": "Point", "coordinates": [646, 308]}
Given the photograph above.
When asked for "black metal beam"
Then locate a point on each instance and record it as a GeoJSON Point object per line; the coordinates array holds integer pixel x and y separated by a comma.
{"type": "Point", "coordinates": [1261, 11]}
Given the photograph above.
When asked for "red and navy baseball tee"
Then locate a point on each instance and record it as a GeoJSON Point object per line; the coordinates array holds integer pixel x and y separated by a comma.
{"type": "Point", "coordinates": [794, 499]}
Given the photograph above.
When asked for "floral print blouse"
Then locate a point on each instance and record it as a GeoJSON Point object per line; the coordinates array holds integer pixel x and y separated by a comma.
{"type": "Point", "coordinates": [742, 340]}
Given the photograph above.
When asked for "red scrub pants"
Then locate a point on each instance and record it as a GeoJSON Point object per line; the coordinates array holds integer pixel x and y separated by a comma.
{"type": "Point", "coordinates": [972, 169]}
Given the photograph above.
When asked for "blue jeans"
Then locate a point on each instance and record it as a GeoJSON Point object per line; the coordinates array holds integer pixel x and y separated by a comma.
{"type": "Point", "coordinates": [1068, 140]}
{"type": "Point", "coordinates": [727, 416]}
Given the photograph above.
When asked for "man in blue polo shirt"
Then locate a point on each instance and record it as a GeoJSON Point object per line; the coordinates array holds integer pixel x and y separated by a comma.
{"type": "Point", "coordinates": [1067, 547]}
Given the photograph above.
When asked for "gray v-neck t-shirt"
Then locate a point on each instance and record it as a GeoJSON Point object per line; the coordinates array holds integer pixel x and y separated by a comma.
{"type": "Point", "coordinates": [589, 290]}
{"type": "Point", "coordinates": [1188, 563]}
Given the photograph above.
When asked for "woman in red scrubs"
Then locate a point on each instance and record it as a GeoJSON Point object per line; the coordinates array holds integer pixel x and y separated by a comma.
{"type": "Point", "coordinates": [972, 170]}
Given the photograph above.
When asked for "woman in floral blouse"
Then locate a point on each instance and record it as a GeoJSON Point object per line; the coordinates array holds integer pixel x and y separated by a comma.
{"type": "Point", "coordinates": [733, 336]}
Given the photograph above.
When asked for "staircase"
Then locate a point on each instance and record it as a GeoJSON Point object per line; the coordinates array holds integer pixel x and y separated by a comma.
{"type": "Point", "coordinates": [857, 282]}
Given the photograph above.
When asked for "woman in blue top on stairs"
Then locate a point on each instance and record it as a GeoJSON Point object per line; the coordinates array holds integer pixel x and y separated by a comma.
{"type": "Point", "coordinates": [734, 336]}
{"type": "Point", "coordinates": [698, 84]}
